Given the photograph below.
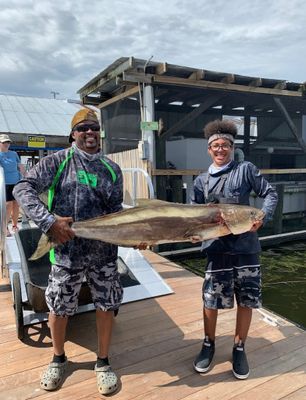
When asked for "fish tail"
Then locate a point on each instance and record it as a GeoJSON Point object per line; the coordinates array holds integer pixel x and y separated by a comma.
{"type": "Point", "coordinates": [43, 247]}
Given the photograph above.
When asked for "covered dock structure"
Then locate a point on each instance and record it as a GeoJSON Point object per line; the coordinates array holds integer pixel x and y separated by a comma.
{"type": "Point", "coordinates": [153, 114]}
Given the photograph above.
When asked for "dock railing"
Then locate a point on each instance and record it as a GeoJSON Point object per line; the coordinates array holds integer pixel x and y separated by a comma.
{"type": "Point", "coordinates": [290, 184]}
{"type": "Point", "coordinates": [128, 161]}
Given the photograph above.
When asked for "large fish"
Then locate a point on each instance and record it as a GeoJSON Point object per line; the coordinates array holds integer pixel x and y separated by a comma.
{"type": "Point", "coordinates": [156, 222]}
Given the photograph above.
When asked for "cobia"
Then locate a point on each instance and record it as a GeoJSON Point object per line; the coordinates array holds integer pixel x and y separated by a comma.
{"type": "Point", "coordinates": [156, 222]}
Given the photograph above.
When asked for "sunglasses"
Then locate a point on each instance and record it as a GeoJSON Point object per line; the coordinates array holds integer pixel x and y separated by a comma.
{"type": "Point", "coordinates": [85, 128]}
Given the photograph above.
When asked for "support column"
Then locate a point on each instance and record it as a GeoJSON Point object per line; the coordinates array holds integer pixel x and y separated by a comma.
{"type": "Point", "coordinates": [149, 115]}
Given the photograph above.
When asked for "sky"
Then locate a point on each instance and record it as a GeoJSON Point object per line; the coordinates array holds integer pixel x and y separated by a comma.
{"type": "Point", "coordinates": [59, 45]}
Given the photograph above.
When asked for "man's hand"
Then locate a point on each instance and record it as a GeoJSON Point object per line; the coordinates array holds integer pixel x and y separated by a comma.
{"type": "Point", "coordinates": [141, 246]}
{"type": "Point", "coordinates": [196, 239]}
{"type": "Point", "coordinates": [61, 232]}
{"type": "Point", "coordinates": [256, 226]}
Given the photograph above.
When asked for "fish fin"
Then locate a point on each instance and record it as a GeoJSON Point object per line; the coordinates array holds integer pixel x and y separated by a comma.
{"type": "Point", "coordinates": [152, 202]}
{"type": "Point", "coordinates": [43, 247]}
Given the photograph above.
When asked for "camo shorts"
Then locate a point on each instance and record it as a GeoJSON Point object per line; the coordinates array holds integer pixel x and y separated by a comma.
{"type": "Point", "coordinates": [227, 276]}
{"type": "Point", "coordinates": [65, 283]}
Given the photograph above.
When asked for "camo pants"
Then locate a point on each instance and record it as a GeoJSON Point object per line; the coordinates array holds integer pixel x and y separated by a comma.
{"type": "Point", "coordinates": [65, 283]}
{"type": "Point", "coordinates": [227, 276]}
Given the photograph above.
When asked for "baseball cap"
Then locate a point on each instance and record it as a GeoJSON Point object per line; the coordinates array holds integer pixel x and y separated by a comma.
{"type": "Point", "coordinates": [4, 138]}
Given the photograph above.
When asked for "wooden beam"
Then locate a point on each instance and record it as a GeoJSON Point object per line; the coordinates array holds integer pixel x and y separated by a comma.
{"type": "Point", "coordinates": [290, 123]}
{"type": "Point", "coordinates": [125, 66]}
{"type": "Point", "coordinates": [262, 138]}
{"type": "Point", "coordinates": [211, 100]}
{"type": "Point", "coordinates": [136, 77]}
{"type": "Point", "coordinates": [96, 83]}
{"type": "Point", "coordinates": [95, 101]}
{"type": "Point", "coordinates": [281, 85]}
{"type": "Point", "coordinates": [256, 82]}
{"type": "Point", "coordinates": [230, 78]}
{"type": "Point", "coordinates": [197, 75]}
{"type": "Point", "coordinates": [170, 80]}
{"type": "Point", "coordinates": [192, 172]}
{"type": "Point", "coordinates": [161, 68]}
{"type": "Point", "coordinates": [121, 96]}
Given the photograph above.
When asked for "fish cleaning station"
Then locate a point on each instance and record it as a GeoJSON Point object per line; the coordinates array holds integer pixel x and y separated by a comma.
{"type": "Point", "coordinates": [152, 117]}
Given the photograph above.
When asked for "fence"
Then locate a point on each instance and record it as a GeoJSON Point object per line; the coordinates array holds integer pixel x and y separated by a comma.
{"type": "Point", "coordinates": [128, 160]}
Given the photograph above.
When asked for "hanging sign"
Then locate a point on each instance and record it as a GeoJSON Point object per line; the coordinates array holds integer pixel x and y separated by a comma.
{"type": "Point", "coordinates": [149, 126]}
{"type": "Point", "coordinates": [37, 141]}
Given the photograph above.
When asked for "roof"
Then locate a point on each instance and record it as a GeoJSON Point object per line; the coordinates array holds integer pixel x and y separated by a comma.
{"type": "Point", "coordinates": [33, 115]}
{"type": "Point", "coordinates": [129, 70]}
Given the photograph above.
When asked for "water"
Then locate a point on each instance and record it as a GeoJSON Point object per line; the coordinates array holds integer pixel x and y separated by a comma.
{"type": "Point", "coordinates": [283, 277]}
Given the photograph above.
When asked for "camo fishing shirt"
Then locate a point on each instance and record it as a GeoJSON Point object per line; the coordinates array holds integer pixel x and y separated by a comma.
{"type": "Point", "coordinates": [86, 189]}
{"type": "Point", "coordinates": [242, 179]}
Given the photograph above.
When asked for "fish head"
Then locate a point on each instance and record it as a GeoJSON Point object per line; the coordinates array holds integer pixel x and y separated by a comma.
{"type": "Point", "coordinates": [239, 218]}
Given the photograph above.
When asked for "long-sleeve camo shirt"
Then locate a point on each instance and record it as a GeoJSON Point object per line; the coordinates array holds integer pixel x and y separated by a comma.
{"type": "Point", "coordinates": [86, 188]}
{"type": "Point", "coordinates": [242, 179]}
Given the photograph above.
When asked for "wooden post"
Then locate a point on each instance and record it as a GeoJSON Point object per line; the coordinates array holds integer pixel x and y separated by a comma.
{"type": "Point", "coordinates": [278, 214]}
{"type": "Point", "coordinates": [246, 146]}
{"type": "Point", "coordinates": [176, 183]}
{"type": "Point", "coordinates": [161, 181]}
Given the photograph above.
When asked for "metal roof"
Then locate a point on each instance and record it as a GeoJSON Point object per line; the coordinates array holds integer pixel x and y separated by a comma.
{"type": "Point", "coordinates": [33, 115]}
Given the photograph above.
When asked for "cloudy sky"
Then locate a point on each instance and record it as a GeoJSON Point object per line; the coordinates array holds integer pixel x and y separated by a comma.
{"type": "Point", "coordinates": [59, 45]}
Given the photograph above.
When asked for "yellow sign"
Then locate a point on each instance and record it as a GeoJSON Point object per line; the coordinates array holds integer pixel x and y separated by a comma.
{"type": "Point", "coordinates": [37, 141]}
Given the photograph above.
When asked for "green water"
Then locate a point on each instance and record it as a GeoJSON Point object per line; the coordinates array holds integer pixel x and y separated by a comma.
{"type": "Point", "coordinates": [283, 277]}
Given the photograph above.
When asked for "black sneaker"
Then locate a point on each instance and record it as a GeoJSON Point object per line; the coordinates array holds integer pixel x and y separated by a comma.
{"type": "Point", "coordinates": [202, 363]}
{"type": "Point", "coordinates": [241, 368]}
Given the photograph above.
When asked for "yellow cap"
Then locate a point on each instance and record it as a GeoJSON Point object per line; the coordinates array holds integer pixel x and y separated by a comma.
{"type": "Point", "coordinates": [85, 114]}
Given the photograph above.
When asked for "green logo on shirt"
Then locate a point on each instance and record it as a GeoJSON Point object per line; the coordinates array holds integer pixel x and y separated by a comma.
{"type": "Point", "coordinates": [87, 179]}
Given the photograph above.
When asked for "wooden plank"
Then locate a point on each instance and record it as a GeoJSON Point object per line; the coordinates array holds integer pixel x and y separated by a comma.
{"type": "Point", "coordinates": [223, 86]}
{"type": "Point", "coordinates": [290, 123]}
{"type": "Point", "coordinates": [281, 85]}
{"type": "Point", "coordinates": [210, 101]}
{"type": "Point", "coordinates": [297, 395]}
{"type": "Point", "coordinates": [187, 82]}
{"type": "Point", "coordinates": [129, 92]}
{"type": "Point", "coordinates": [154, 344]}
{"type": "Point", "coordinates": [161, 68]}
{"type": "Point", "coordinates": [193, 172]}
{"type": "Point", "coordinates": [197, 75]}
{"type": "Point", "coordinates": [229, 78]}
{"type": "Point", "coordinates": [107, 75]}
{"type": "Point", "coordinates": [257, 82]}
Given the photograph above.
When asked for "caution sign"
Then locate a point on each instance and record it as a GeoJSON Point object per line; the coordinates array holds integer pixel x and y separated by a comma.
{"type": "Point", "coordinates": [37, 141]}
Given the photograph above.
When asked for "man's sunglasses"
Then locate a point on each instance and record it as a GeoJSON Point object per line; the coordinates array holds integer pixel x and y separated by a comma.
{"type": "Point", "coordinates": [85, 128]}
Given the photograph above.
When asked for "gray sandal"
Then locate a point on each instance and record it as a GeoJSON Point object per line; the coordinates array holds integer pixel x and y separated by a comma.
{"type": "Point", "coordinates": [107, 380]}
{"type": "Point", "coordinates": [53, 375]}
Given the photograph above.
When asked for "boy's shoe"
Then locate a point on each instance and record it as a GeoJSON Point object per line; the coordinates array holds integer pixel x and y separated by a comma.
{"type": "Point", "coordinates": [241, 368]}
{"type": "Point", "coordinates": [107, 380]}
{"type": "Point", "coordinates": [53, 376]}
{"type": "Point", "coordinates": [203, 361]}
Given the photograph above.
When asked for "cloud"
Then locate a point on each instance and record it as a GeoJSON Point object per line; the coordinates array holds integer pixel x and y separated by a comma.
{"type": "Point", "coordinates": [60, 45]}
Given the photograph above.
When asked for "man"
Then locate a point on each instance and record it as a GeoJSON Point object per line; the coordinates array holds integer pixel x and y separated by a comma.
{"type": "Point", "coordinates": [82, 184]}
{"type": "Point", "coordinates": [13, 170]}
{"type": "Point", "coordinates": [232, 261]}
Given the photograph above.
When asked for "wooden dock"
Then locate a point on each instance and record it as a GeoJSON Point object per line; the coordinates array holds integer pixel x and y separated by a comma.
{"type": "Point", "coordinates": [154, 344]}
